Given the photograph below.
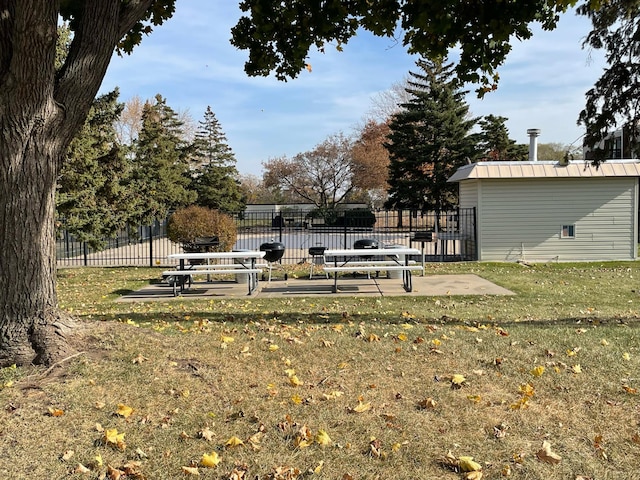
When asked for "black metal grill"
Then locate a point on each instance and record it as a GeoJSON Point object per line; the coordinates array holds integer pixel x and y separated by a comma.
{"type": "Point", "coordinates": [273, 251]}
{"type": "Point", "coordinates": [316, 251]}
{"type": "Point", "coordinates": [365, 243]}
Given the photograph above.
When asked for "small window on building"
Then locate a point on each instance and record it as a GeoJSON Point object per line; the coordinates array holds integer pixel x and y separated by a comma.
{"type": "Point", "coordinates": [568, 231]}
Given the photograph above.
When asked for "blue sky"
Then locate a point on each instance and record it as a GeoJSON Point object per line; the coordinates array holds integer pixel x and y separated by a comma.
{"type": "Point", "coordinates": [191, 62]}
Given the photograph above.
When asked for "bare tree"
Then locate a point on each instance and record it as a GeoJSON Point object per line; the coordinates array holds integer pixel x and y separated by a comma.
{"type": "Point", "coordinates": [387, 103]}
{"type": "Point", "coordinates": [130, 122]}
{"type": "Point", "coordinates": [323, 176]}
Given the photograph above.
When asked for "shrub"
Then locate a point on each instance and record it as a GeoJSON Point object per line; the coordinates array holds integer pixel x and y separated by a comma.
{"type": "Point", "coordinates": [189, 224]}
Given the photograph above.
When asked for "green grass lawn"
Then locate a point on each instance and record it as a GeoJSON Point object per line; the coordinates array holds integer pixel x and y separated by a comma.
{"type": "Point", "coordinates": [348, 388]}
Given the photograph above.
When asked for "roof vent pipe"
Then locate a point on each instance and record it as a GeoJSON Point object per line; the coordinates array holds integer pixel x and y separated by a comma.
{"type": "Point", "coordinates": [533, 143]}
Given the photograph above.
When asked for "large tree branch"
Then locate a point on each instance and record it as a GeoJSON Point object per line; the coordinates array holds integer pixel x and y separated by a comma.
{"type": "Point", "coordinates": [99, 27]}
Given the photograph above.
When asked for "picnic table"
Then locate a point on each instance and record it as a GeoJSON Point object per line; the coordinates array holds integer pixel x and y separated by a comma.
{"type": "Point", "coordinates": [372, 260]}
{"type": "Point", "coordinates": [241, 262]}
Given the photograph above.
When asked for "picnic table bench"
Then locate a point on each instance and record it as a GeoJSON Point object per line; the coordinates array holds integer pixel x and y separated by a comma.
{"type": "Point", "coordinates": [370, 260]}
{"type": "Point", "coordinates": [243, 263]}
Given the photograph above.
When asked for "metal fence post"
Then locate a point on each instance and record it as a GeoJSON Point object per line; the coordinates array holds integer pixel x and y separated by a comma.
{"type": "Point", "coordinates": [151, 245]}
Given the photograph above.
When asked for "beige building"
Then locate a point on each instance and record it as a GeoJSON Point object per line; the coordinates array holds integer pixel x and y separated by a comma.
{"type": "Point", "coordinates": [539, 211]}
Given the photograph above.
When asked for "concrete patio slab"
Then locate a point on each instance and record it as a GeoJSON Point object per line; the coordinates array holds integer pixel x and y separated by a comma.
{"type": "Point", "coordinates": [430, 285]}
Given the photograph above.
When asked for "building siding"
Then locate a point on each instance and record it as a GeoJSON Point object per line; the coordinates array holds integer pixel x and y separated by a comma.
{"type": "Point", "coordinates": [521, 219]}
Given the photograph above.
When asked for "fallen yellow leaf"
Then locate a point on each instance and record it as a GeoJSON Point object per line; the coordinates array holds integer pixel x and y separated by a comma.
{"type": "Point", "coordinates": [361, 407]}
{"type": "Point", "coordinates": [124, 411]}
{"type": "Point", "coordinates": [113, 438]}
{"type": "Point", "coordinates": [467, 464]}
{"type": "Point", "coordinates": [234, 442]}
{"type": "Point", "coordinates": [323, 438]}
{"type": "Point", "coordinates": [273, 348]}
{"type": "Point", "coordinates": [295, 381]}
{"type": "Point", "coordinates": [226, 339]}
{"type": "Point", "coordinates": [458, 380]}
{"type": "Point", "coordinates": [477, 475]}
{"type": "Point", "coordinates": [538, 371]}
{"type": "Point", "coordinates": [210, 461]}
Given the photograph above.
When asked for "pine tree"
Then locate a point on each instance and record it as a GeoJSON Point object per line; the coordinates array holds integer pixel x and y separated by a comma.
{"type": "Point", "coordinates": [495, 143]}
{"type": "Point", "coordinates": [215, 179]}
{"type": "Point", "coordinates": [429, 140]}
{"type": "Point", "coordinates": [161, 173]}
{"type": "Point", "coordinates": [94, 198]}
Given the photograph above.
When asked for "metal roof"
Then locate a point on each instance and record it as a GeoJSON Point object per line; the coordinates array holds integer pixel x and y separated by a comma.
{"type": "Point", "coordinates": [546, 169]}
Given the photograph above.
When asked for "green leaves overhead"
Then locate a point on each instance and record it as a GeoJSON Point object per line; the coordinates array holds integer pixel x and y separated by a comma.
{"type": "Point", "coordinates": [278, 35]}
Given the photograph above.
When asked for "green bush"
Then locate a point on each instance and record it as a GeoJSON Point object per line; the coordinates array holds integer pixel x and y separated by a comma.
{"type": "Point", "coordinates": [188, 225]}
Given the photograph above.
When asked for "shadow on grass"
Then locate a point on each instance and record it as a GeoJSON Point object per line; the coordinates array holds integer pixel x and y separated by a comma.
{"type": "Point", "coordinates": [122, 291]}
{"type": "Point", "coordinates": [328, 318]}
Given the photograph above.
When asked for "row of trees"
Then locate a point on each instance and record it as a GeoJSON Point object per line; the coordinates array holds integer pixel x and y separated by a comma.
{"type": "Point", "coordinates": [404, 159]}
{"type": "Point", "coordinates": [110, 180]}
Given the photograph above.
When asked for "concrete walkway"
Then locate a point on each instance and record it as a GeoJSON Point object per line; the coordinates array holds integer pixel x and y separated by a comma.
{"type": "Point", "coordinates": [430, 285]}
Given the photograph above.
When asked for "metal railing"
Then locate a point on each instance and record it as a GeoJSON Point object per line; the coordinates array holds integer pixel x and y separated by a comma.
{"type": "Point", "coordinates": [454, 237]}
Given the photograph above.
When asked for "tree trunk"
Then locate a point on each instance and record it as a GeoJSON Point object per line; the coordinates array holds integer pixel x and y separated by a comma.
{"type": "Point", "coordinates": [41, 109]}
{"type": "Point", "coordinates": [31, 326]}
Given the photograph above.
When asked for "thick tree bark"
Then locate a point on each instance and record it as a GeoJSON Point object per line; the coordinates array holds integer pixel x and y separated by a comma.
{"type": "Point", "coordinates": [40, 112]}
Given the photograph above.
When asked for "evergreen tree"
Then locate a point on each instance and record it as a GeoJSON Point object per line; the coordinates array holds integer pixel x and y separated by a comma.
{"type": "Point", "coordinates": [429, 140]}
{"type": "Point", "coordinates": [495, 143]}
{"type": "Point", "coordinates": [216, 179]}
{"type": "Point", "coordinates": [161, 172]}
{"type": "Point", "coordinates": [94, 198]}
